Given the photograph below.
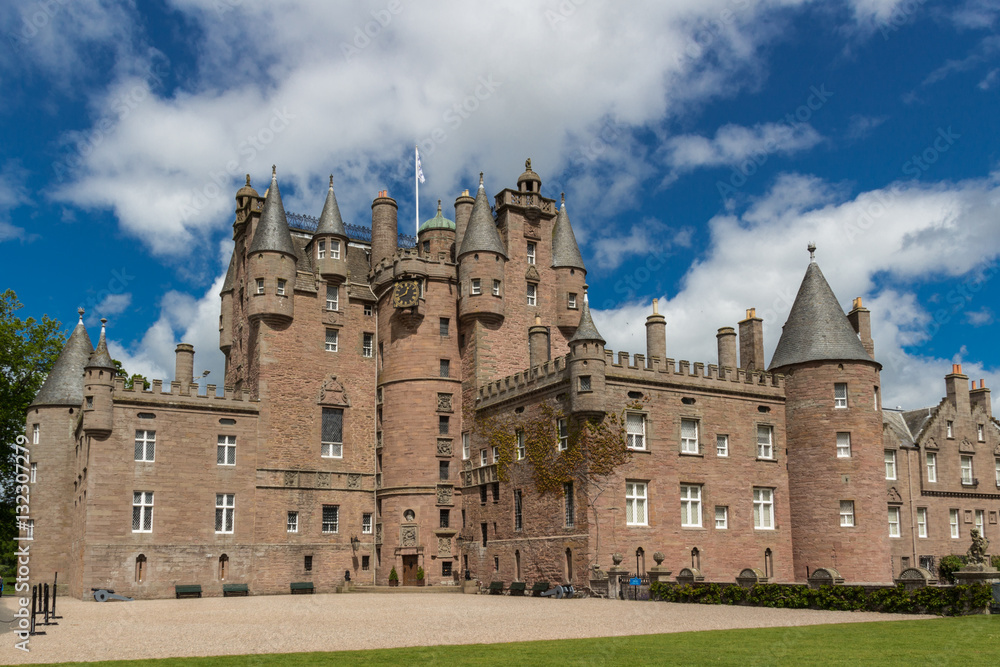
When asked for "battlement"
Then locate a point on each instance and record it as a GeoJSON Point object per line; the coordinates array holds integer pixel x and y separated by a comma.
{"type": "Point", "coordinates": [171, 393]}
{"type": "Point", "coordinates": [409, 262]}
{"type": "Point", "coordinates": [697, 375]}
{"type": "Point", "coordinates": [538, 377]}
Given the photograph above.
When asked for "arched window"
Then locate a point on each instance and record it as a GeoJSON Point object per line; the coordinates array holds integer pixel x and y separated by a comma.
{"type": "Point", "coordinates": [517, 566]}
{"type": "Point", "coordinates": [696, 558]}
{"type": "Point", "coordinates": [640, 561]}
{"type": "Point", "coordinates": [768, 564]}
{"type": "Point", "coordinates": [569, 566]}
{"type": "Point", "coordinates": [140, 568]}
{"type": "Point", "coordinates": [223, 566]}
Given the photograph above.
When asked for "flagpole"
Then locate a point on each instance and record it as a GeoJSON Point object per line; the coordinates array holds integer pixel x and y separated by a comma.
{"type": "Point", "coordinates": [416, 182]}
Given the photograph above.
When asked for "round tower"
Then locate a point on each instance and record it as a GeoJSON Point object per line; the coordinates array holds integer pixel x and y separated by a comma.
{"type": "Point", "coordinates": [98, 385]}
{"type": "Point", "coordinates": [571, 274]}
{"type": "Point", "coordinates": [539, 350]}
{"type": "Point", "coordinates": [587, 367]}
{"type": "Point", "coordinates": [436, 238]}
{"type": "Point", "coordinates": [329, 244]}
{"type": "Point", "coordinates": [481, 263]}
{"type": "Point", "coordinates": [463, 209]}
{"type": "Point", "coordinates": [836, 479]}
{"type": "Point", "coordinates": [656, 334]}
{"type": "Point", "coordinates": [385, 234]}
{"type": "Point", "coordinates": [271, 262]}
{"type": "Point", "coordinates": [226, 309]}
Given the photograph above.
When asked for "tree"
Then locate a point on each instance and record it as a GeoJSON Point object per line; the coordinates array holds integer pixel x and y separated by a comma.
{"type": "Point", "coordinates": [28, 349]}
{"type": "Point", "coordinates": [129, 380]}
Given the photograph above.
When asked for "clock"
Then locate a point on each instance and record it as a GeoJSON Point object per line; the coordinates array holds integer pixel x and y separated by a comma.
{"type": "Point", "coordinates": [406, 294]}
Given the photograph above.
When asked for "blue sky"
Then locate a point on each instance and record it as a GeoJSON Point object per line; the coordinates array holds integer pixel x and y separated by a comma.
{"type": "Point", "coordinates": [701, 145]}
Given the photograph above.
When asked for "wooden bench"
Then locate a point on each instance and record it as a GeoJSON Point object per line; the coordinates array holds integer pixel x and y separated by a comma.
{"type": "Point", "coordinates": [516, 588]}
{"type": "Point", "coordinates": [302, 587]}
{"type": "Point", "coordinates": [496, 588]}
{"type": "Point", "coordinates": [230, 590]}
{"type": "Point", "coordinates": [539, 588]}
{"type": "Point", "coordinates": [187, 590]}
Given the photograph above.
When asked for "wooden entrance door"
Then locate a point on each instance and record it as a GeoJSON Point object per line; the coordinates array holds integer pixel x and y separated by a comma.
{"type": "Point", "coordinates": [409, 570]}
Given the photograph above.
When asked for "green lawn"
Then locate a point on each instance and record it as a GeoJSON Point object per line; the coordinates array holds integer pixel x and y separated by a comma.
{"type": "Point", "coordinates": [970, 640]}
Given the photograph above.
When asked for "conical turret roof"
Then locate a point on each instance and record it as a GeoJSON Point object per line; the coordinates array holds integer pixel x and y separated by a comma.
{"type": "Point", "coordinates": [565, 251]}
{"type": "Point", "coordinates": [817, 328]}
{"type": "Point", "coordinates": [100, 358]}
{"type": "Point", "coordinates": [586, 330]}
{"type": "Point", "coordinates": [481, 233]}
{"type": "Point", "coordinates": [330, 221]}
{"type": "Point", "coordinates": [272, 231]}
{"type": "Point", "coordinates": [64, 384]}
{"type": "Point", "coordinates": [230, 282]}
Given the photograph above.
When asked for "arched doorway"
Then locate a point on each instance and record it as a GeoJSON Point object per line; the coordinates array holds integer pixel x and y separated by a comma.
{"type": "Point", "coordinates": [517, 566]}
{"type": "Point", "coordinates": [569, 566]}
{"type": "Point", "coordinates": [223, 566]}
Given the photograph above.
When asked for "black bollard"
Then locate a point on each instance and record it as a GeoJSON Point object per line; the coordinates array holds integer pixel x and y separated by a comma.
{"type": "Point", "coordinates": [54, 583]}
{"type": "Point", "coordinates": [34, 593]}
{"type": "Point", "coordinates": [45, 604]}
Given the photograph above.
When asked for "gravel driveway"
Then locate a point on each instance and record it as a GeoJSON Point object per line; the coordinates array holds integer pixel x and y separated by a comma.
{"type": "Point", "coordinates": [284, 623]}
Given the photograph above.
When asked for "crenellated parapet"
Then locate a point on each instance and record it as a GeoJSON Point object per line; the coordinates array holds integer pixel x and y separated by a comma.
{"type": "Point", "coordinates": [177, 394]}
{"type": "Point", "coordinates": [537, 378]}
{"type": "Point", "coordinates": [408, 263]}
{"type": "Point", "coordinates": [696, 374]}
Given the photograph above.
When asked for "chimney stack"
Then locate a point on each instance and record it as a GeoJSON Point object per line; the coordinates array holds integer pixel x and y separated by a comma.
{"type": "Point", "coordinates": [538, 343]}
{"type": "Point", "coordinates": [727, 349]}
{"type": "Point", "coordinates": [656, 335]}
{"type": "Point", "coordinates": [957, 386]}
{"type": "Point", "coordinates": [463, 211]}
{"type": "Point", "coordinates": [752, 342]}
{"type": "Point", "coordinates": [184, 365]}
{"type": "Point", "coordinates": [980, 397]}
{"type": "Point", "coordinates": [385, 235]}
{"type": "Point", "coordinates": [860, 319]}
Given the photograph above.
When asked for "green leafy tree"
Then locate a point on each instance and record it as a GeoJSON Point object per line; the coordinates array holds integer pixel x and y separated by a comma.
{"type": "Point", "coordinates": [129, 380]}
{"type": "Point", "coordinates": [28, 349]}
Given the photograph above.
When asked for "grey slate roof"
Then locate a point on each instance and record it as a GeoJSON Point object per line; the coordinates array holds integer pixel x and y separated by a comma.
{"type": "Point", "coordinates": [272, 230]}
{"type": "Point", "coordinates": [586, 330]}
{"type": "Point", "coordinates": [230, 282]}
{"type": "Point", "coordinates": [916, 420]}
{"type": "Point", "coordinates": [100, 357]}
{"type": "Point", "coordinates": [895, 422]}
{"type": "Point", "coordinates": [481, 233]}
{"type": "Point", "coordinates": [64, 384]}
{"type": "Point", "coordinates": [565, 251]}
{"type": "Point", "coordinates": [816, 328]}
{"type": "Point", "coordinates": [330, 221]}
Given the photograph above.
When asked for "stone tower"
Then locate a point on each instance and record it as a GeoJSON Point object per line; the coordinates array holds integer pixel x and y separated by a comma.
{"type": "Point", "coordinates": [271, 263]}
{"type": "Point", "coordinates": [836, 480]}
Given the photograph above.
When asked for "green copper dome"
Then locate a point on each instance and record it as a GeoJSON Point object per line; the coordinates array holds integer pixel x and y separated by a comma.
{"type": "Point", "coordinates": [438, 221]}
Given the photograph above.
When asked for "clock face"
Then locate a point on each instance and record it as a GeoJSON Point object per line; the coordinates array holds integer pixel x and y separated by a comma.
{"type": "Point", "coordinates": [406, 294]}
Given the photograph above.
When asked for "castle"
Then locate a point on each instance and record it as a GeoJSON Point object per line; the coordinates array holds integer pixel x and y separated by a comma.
{"type": "Point", "coordinates": [444, 405]}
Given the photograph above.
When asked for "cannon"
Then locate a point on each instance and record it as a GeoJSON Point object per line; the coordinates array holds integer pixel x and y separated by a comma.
{"type": "Point", "coordinates": [105, 594]}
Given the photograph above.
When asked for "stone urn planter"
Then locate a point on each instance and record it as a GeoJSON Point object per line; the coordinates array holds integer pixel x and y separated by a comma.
{"type": "Point", "coordinates": [617, 559]}
{"type": "Point", "coordinates": [659, 558]}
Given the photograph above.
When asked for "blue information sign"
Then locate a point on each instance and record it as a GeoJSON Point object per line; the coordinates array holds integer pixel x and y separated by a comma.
{"type": "Point", "coordinates": [634, 581]}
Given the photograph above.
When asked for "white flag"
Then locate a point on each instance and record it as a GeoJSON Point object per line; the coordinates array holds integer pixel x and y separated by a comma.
{"type": "Point", "coordinates": [420, 171]}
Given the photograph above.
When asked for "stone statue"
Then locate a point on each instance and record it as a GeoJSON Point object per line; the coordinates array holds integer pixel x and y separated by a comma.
{"type": "Point", "coordinates": [977, 552]}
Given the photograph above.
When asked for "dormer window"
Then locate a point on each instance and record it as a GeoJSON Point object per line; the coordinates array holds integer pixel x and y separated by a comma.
{"type": "Point", "coordinates": [320, 249]}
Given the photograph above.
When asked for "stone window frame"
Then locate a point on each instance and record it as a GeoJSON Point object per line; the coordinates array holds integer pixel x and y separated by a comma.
{"type": "Point", "coordinates": [334, 249]}
{"type": "Point", "coordinates": [369, 310]}
{"type": "Point", "coordinates": [280, 290]}
{"type": "Point", "coordinates": [981, 432]}
{"type": "Point", "coordinates": [531, 292]}
{"type": "Point", "coordinates": [225, 450]}
{"type": "Point", "coordinates": [686, 442]}
{"type": "Point", "coordinates": [520, 449]}
{"type": "Point", "coordinates": [922, 517]}
{"type": "Point", "coordinates": [840, 401]}
{"type": "Point", "coordinates": [891, 473]}
{"type": "Point", "coordinates": [367, 344]}
{"type": "Point", "coordinates": [930, 465]}
{"type": "Point", "coordinates": [321, 249]}
{"type": "Point", "coordinates": [260, 286]}
{"type": "Point", "coordinates": [895, 527]}
{"type": "Point", "coordinates": [691, 497]}
{"type": "Point", "coordinates": [496, 287]}
{"type": "Point", "coordinates": [722, 517]}
{"type": "Point", "coordinates": [847, 519]}
{"type": "Point", "coordinates": [562, 434]}
{"type": "Point", "coordinates": [292, 522]}
{"type": "Point", "coordinates": [949, 427]}
{"type": "Point", "coordinates": [225, 513]}
{"type": "Point", "coordinates": [466, 446]}
{"type": "Point", "coordinates": [970, 478]}
{"type": "Point", "coordinates": [35, 430]}
{"type": "Point", "coordinates": [569, 504]}
{"type": "Point", "coordinates": [332, 343]}
{"type": "Point", "coordinates": [475, 287]}
{"type": "Point", "coordinates": [367, 523]}
{"type": "Point", "coordinates": [145, 452]}
{"type": "Point", "coordinates": [630, 436]}
{"type": "Point", "coordinates": [763, 498]}
{"type": "Point", "coordinates": [518, 510]}
{"type": "Point", "coordinates": [844, 444]}
{"type": "Point", "coordinates": [772, 444]}
{"type": "Point", "coordinates": [723, 451]}
{"type": "Point", "coordinates": [332, 449]}
{"type": "Point", "coordinates": [637, 501]}
{"type": "Point", "coordinates": [142, 511]}
{"type": "Point", "coordinates": [330, 523]}
{"type": "Point", "coordinates": [571, 301]}
{"type": "Point", "coordinates": [531, 253]}
{"type": "Point", "coordinates": [954, 524]}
